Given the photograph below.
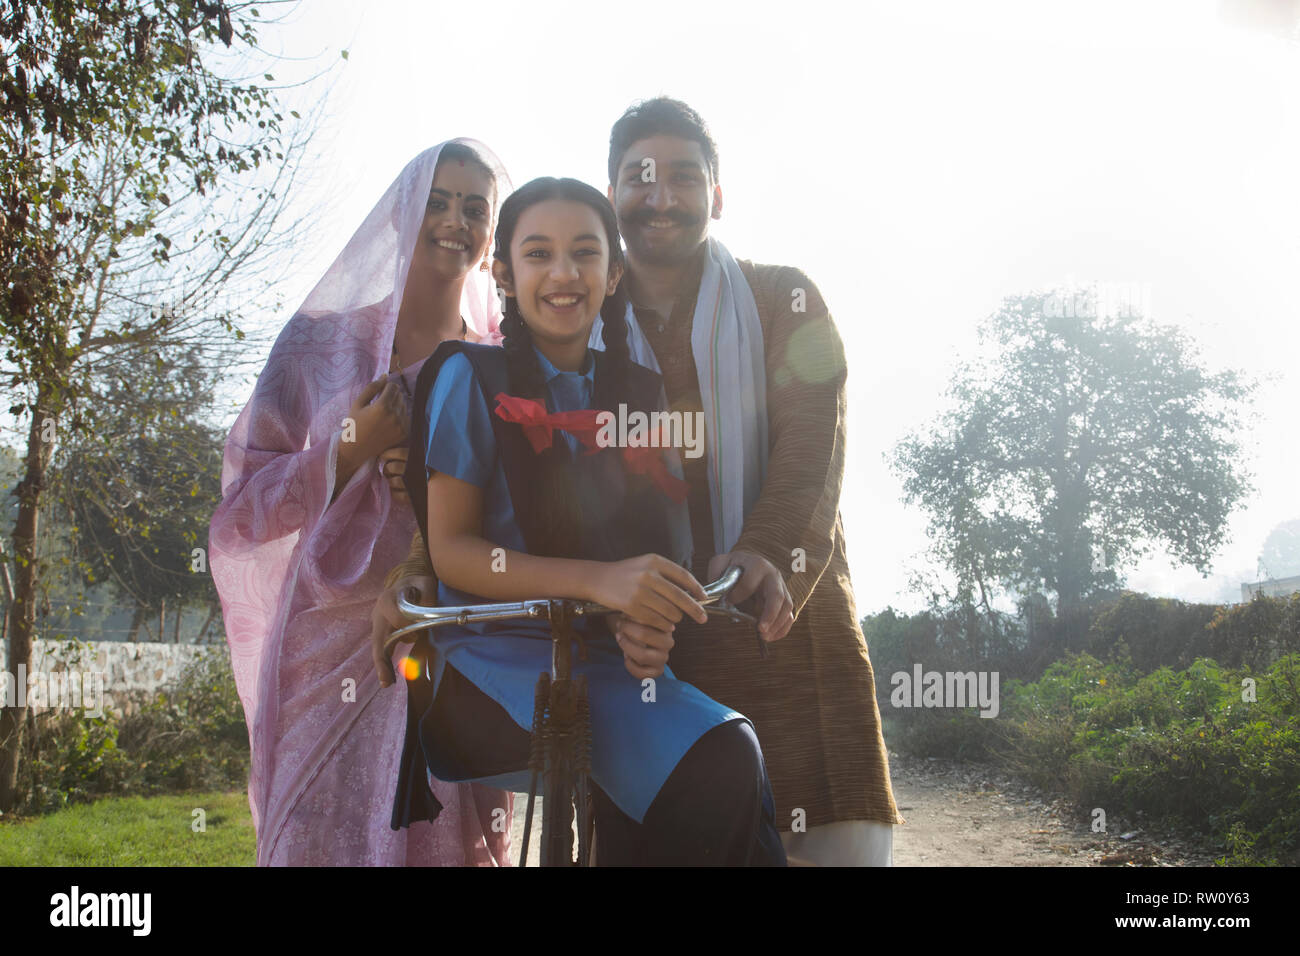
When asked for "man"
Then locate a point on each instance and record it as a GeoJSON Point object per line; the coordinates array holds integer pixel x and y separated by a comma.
{"type": "Point", "coordinates": [754, 348]}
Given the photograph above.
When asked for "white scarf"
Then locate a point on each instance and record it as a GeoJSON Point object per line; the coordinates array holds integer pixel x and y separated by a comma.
{"type": "Point", "coordinates": [727, 344]}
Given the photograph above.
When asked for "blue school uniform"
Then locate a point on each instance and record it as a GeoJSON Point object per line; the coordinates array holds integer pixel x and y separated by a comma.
{"type": "Point", "coordinates": [635, 743]}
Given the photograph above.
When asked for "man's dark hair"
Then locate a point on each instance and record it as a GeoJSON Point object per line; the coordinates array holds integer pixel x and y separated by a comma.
{"type": "Point", "coordinates": [656, 117]}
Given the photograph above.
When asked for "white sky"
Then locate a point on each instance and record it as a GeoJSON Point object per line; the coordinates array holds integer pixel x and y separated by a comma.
{"type": "Point", "coordinates": [919, 160]}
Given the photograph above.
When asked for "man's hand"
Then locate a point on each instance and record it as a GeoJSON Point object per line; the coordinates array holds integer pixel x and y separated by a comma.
{"type": "Point", "coordinates": [385, 619]}
{"type": "Point", "coordinates": [645, 649]}
{"type": "Point", "coordinates": [762, 578]}
{"type": "Point", "coordinates": [392, 464]}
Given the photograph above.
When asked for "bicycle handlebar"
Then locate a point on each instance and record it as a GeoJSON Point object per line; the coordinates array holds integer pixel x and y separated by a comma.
{"type": "Point", "coordinates": [425, 617]}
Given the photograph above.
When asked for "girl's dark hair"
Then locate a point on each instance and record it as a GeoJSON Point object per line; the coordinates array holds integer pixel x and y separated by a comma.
{"type": "Point", "coordinates": [525, 373]}
{"type": "Point", "coordinates": [554, 500]}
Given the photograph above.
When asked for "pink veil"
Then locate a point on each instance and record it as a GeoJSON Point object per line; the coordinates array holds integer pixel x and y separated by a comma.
{"type": "Point", "coordinates": [298, 576]}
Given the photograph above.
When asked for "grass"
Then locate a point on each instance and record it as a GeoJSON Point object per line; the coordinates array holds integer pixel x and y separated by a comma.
{"type": "Point", "coordinates": [136, 831]}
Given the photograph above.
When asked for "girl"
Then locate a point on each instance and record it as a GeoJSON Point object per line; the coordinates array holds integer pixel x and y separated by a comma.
{"type": "Point", "coordinates": [308, 525]}
{"type": "Point", "coordinates": [522, 501]}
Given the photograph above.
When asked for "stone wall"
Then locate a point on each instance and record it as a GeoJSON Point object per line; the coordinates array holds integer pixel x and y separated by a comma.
{"type": "Point", "coordinates": [81, 675]}
{"type": "Point", "coordinates": [1276, 587]}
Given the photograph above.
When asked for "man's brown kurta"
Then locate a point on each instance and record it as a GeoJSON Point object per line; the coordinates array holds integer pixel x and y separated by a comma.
{"type": "Point", "coordinates": [813, 699]}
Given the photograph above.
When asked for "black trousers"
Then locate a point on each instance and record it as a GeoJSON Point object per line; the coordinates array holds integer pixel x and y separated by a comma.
{"type": "Point", "coordinates": [715, 808]}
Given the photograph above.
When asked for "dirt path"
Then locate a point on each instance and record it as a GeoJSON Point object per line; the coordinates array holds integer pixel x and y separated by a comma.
{"type": "Point", "coordinates": [968, 815]}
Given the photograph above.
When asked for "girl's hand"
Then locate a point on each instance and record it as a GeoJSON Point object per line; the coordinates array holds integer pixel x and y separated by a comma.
{"type": "Point", "coordinates": [385, 619]}
{"type": "Point", "coordinates": [392, 464]}
{"type": "Point", "coordinates": [645, 649]}
{"type": "Point", "coordinates": [650, 590]}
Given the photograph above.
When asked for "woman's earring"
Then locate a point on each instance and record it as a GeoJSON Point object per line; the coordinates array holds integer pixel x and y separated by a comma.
{"type": "Point", "coordinates": [484, 265]}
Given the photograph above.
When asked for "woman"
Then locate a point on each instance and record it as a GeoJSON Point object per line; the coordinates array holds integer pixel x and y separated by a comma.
{"type": "Point", "coordinates": [308, 525]}
{"type": "Point", "coordinates": [524, 499]}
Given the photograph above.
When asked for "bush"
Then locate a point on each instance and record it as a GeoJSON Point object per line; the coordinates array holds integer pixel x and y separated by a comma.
{"type": "Point", "coordinates": [190, 737]}
{"type": "Point", "coordinates": [1257, 633]}
{"type": "Point", "coordinates": [1182, 746]}
{"type": "Point", "coordinates": [950, 639]}
{"type": "Point", "coordinates": [1159, 632]}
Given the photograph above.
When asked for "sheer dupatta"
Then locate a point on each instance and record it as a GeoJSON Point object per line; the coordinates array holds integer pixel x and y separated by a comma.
{"type": "Point", "coordinates": [299, 576]}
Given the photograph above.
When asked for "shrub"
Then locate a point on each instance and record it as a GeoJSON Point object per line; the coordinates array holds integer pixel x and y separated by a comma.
{"type": "Point", "coordinates": [190, 737]}
{"type": "Point", "coordinates": [1182, 746]}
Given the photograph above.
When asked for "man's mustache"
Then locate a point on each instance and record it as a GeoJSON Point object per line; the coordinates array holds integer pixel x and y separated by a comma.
{"type": "Point", "coordinates": [679, 218]}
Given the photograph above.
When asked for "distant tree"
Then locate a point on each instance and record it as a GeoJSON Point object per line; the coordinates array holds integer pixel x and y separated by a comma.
{"type": "Point", "coordinates": [1280, 555]}
{"type": "Point", "coordinates": [1083, 442]}
{"type": "Point", "coordinates": [137, 496]}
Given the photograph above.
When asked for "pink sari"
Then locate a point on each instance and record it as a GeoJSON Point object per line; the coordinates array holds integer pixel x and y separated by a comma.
{"type": "Point", "coordinates": [298, 575]}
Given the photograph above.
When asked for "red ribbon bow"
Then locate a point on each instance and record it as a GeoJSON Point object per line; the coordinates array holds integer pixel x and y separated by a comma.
{"type": "Point", "coordinates": [539, 427]}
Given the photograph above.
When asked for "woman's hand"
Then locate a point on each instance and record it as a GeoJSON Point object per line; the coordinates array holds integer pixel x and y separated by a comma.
{"type": "Point", "coordinates": [650, 590]}
{"type": "Point", "coordinates": [380, 419]}
{"type": "Point", "coordinates": [392, 464]}
{"type": "Point", "coordinates": [385, 619]}
{"type": "Point", "coordinates": [382, 415]}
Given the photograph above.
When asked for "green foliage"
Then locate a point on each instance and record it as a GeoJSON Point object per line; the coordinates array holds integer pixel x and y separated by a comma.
{"type": "Point", "coordinates": [1142, 721]}
{"type": "Point", "coordinates": [139, 187]}
{"type": "Point", "coordinates": [72, 759]}
{"type": "Point", "coordinates": [949, 639]}
{"type": "Point", "coordinates": [1253, 634]}
{"type": "Point", "coordinates": [138, 493]}
{"type": "Point", "coordinates": [191, 737]}
{"type": "Point", "coordinates": [1081, 435]}
{"type": "Point", "coordinates": [1156, 631]}
{"type": "Point", "coordinates": [121, 78]}
{"type": "Point", "coordinates": [1180, 746]}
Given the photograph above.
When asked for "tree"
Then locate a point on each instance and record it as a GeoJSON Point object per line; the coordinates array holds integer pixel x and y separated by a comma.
{"type": "Point", "coordinates": [138, 496]}
{"type": "Point", "coordinates": [1280, 555]}
{"type": "Point", "coordinates": [119, 143]}
{"type": "Point", "coordinates": [1086, 440]}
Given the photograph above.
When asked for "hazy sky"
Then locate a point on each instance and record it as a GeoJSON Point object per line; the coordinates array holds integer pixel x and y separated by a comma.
{"type": "Point", "coordinates": [919, 160]}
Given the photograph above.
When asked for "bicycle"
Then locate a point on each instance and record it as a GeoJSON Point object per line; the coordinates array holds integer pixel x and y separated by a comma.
{"type": "Point", "coordinates": [560, 751]}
